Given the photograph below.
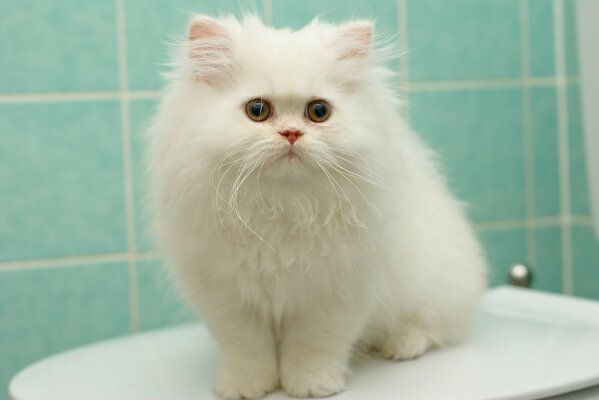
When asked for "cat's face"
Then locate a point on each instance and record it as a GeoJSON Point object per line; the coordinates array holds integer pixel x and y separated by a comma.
{"type": "Point", "coordinates": [280, 103]}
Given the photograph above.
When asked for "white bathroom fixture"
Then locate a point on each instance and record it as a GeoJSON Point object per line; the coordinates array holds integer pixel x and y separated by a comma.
{"type": "Point", "coordinates": [588, 56]}
{"type": "Point", "coordinates": [524, 345]}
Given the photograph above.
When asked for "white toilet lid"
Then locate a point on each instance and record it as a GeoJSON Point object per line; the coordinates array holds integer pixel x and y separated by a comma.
{"type": "Point", "coordinates": [524, 345]}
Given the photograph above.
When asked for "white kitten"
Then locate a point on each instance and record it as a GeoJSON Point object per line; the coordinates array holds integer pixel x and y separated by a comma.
{"type": "Point", "coordinates": [299, 213]}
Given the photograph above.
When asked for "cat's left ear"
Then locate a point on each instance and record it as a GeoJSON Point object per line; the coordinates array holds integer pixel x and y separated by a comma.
{"type": "Point", "coordinates": [353, 43]}
{"type": "Point", "coordinates": [210, 49]}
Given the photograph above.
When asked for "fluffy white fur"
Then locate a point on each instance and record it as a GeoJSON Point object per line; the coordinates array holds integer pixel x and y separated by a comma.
{"type": "Point", "coordinates": [295, 261]}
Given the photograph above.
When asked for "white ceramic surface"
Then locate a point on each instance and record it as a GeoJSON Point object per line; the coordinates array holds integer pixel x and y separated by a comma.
{"type": "Point", "coordinates": [524, 345]}
{"type": "Point", "coordinates": [588, 62]}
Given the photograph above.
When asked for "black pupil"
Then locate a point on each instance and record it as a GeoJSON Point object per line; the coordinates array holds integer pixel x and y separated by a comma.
{"type": "Point", "coordinates": [257, 108]}
{"type": "Point", "coordinates": [320, 110]}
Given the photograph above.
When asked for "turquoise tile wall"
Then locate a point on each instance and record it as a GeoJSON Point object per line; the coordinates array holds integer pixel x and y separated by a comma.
{"type": "Point", "coordinates": [463, 39]}
{"type": "Point", "coordinates": [484, 86]}
{"type": "Point", "coordinates": [158, 302]}
{"type": "Point", "coordinates": [545, 154]}
{"type": "Point", "coordinates": [570, 36]}
{"type": "Point", "coordinates": [45, 48]}
{"type": "Point", "coordinates": [141, 112]}
{"type": "Point", "coordinates": [504, 247]}
{"type": "Point", "coordinates": [297, 13]}
{"type": "Point", "coordinates": [46, 310]}
{"type": "Point", "coordinates": [540, 33]}
{"type": "Point", "coordinates": [61, 167]}
{"type": "Point", "coordinates": [585, 253]}
{"type": "Point", "coordinates": [579, 192]}
{"type": "Point", "coordinates": [478, 131]}
{"type": "Point", "coordinates": [548, 272]}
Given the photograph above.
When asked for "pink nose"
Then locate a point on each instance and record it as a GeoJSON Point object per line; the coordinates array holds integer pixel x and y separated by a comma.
{"type": "Point", "coordinates": [291, 134]}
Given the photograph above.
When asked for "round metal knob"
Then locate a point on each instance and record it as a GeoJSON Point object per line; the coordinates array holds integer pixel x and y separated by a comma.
{"type": "Point", "coordinates": [520, 275]}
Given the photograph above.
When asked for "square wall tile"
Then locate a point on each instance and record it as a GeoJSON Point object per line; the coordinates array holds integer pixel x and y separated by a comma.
{"type": "Point", "coordinates": [141, 113]}
{"type": "Point", "coordinates": [48, 310]}
{"type": "Point", "coordinates": [463, 39]}
{"type": "Point", "coordinates": [159, 302]}
{"type": "Point", "coordinates": [503, 248]}
{"type": "Point", "coordinates": [298, 13]}
{"type": "Point", "coordinates": [579, 190]}
{"type": "Point", "coordinates": [61, 180]}
{"type": "Point", "coordinates": [154, 25]}
{"type": "Point", "coordinates": [571, 37]}
{"type": "Point", "coordinates": [547, 271]}
{"type": "Point", "coordinates": [545, 151]}
{"type": "Point", "coordinates": [585, 259]}
{"type": "Point", "coordinates": [541, 37]}
{"type": "Point", "coordinates": [478, 134]}
{"type": "Point", "coordinates": [45, 46]}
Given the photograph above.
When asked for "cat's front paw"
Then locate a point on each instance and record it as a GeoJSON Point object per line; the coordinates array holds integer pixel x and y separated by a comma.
{"type": "Point", "coordinates": [245, 384]}
{"type": "Point", "coordinates": [312, 380]}
{"type": "Point", "coordinates": [405, 345]}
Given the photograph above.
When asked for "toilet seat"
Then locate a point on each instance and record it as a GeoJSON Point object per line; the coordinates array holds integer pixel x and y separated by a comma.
{"type": "Point", "coordinates": [524, 345]}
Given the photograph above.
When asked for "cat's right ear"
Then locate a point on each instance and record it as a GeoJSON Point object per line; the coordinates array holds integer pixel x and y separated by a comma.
{"type": "Point", "coordinates": [210, 49]}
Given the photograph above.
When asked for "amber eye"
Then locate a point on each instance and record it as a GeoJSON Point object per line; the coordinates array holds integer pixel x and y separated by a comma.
{"type": "Point", "coordinates": [258, 109]}
{"type": "Point", "coordinates": [318, 111]}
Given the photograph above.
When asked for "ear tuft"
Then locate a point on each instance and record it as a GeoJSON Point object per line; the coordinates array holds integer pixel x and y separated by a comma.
{"type": "Point", "coordinates": [355, 40]}
{"type": "Point", "coordinates": [203, 27]}
{"type": "Point", "coordinates": [210, 49]}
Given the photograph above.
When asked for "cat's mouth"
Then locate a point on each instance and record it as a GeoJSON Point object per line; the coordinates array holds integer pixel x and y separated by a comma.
{"type": "Point", "coordinates": [291, 152]}
{"type": "Point", "coordinates": [290, 155]}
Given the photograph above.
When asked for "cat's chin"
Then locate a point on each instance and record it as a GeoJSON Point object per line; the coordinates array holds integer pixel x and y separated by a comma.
{"type": "Point", "coordinates": [288, 165]}
{"type": "Point", "coordinates": [290, 158]}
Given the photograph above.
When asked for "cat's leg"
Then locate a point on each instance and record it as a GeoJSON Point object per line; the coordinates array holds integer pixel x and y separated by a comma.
{"type": "Point", "coordinates": [411, 332]}
{"type": "Point", "coordinates": [248, 363]}
{"type": "Point", "coordinates": [315, 351]}
{"type": "Point", "coordinates": [412, 338]}
{"type": "Point", "coordinates": [405, 342]}
{"type": "Point", "coordinates": [430, 305]}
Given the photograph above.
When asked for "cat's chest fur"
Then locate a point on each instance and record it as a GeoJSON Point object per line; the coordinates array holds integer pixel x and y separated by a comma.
{"type": "Point", "coordinates": [282, 263]}
{"type": "Point", "coordinates": [265, 243]}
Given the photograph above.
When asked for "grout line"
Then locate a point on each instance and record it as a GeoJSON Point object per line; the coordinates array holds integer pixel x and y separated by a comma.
{"type": "Point", "coordinates": [77, 96]}
{"type": "Point", "coordinates": [57, 97]}
{"type": "Point", "coordinates": [402, 32]}
{"type": "Point", "coordinates": [563, 155]}
{"type": "Point", "coordinates": [581, 220]}
{"type": "Point", "coordinates": [63, 261]}
{"type": "Point", "coordinates": [402, 38]}
{"type": "Point", "coordinates": [267, 6]}
{"type": "Point", "coordinates": [133, 296]}
{"type": "Point", "coordinates": [498, 226]}
{"type": "Point", "coordinates": [541, 81]}
{"type": "Point", "coordinates": [155, 94]}
{"type": "Point", "coordinates": [545, 222]}
{"type": "Point", "coordinates": [77, 260]}
{"type": "Point", "coordinates": [540, 222]}
{"type": "Point", "coordinates": [142, 94]}
{"type": "Point", "coordinates": [527, 136]}
{"type": "Point", "coordinates": [148, 255]}
{"type": "Point", "coordinates": [127, 161]}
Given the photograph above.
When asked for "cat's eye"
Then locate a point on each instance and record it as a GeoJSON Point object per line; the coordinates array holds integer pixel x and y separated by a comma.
{"type": "Point", "coordinates": [258, 110]}
{"type": "Point", "coordinates": [318, 111]}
